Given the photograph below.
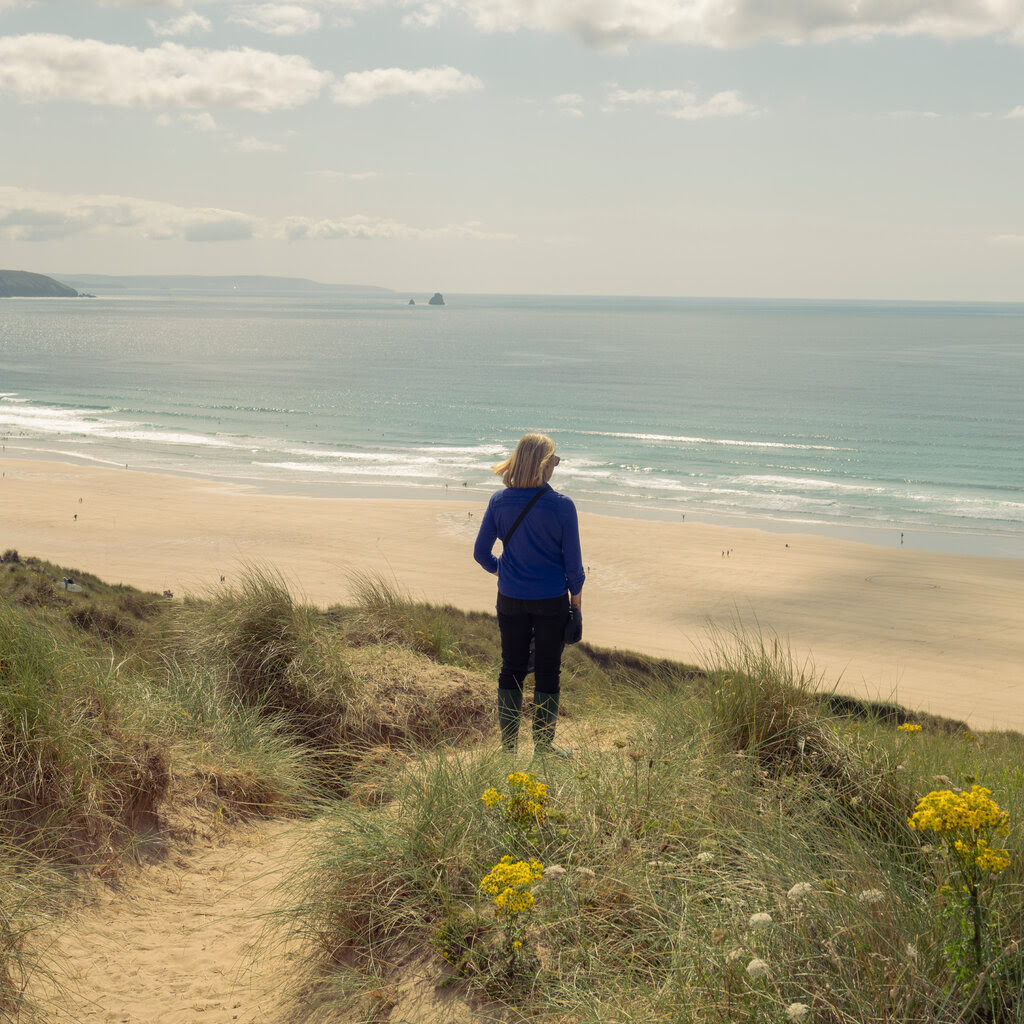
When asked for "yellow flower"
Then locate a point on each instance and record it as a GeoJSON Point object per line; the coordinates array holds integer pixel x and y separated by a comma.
{"type": "Point", "coordinates": [965, 821]}
{"type": "Point", "coordinates": [508, 882]}
{"type": "Point", "coordinates": [527, 799]}
{"type": "Point", "coordinates": [908, 727]}
{"type": "Point", "coordinates": [945, 811]}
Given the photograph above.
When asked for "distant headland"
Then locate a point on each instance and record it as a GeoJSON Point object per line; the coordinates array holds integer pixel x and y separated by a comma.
{"type": "Point", "coordinates": [22, 284]}
{"type": "Point", "coordinates": [201, 284]}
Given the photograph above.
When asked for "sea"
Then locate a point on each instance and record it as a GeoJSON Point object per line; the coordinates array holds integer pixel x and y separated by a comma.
{"type": "Point", "coordinates": [894, 423]}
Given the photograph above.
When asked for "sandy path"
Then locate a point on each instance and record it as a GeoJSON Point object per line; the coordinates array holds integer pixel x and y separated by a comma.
{"type": "Point", "coordinates": [182, 943]}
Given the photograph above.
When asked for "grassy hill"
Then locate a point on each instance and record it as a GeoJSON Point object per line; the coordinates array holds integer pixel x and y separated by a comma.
{"type": "Point", "coordinates": [730, 841]}
{"type": "Point", "coordinates": [23, 284]}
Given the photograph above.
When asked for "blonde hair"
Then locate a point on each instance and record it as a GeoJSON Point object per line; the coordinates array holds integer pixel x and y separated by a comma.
{"type": "Point", "coordinates": [526, 466]}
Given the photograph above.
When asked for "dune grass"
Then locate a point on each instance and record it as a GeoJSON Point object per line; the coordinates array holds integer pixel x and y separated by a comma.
{"type": "Point", "coordinates": [741, 855]}
{"type": "Point", "coordinates": [730, 842]}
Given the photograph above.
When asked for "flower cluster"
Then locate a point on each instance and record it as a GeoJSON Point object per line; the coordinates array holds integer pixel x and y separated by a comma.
{"type": "Point", "coordinates": [508, 883]}
{"type": "Point", "coordinates": [966, 821]}
{"type": "Point", "coordinates": [908, 727]}
{"type": "Point", "coordinates": [988, 858]}
{"type": "Point", "coordinates": [526, 801]}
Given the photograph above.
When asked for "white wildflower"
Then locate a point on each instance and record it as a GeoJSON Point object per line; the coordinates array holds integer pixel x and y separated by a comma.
{"type": "Point", "coordinates": [911, 951]}
{"type": "Point", "coordinates": [704, 857]}
{"type": "Point", "coordinates": [797, 1011]}
{"type": "Point", "coordinates": [871, 896]}
{"type": "Point", "coordinates": [799, 891]}
{"type": "Point", "coordinates": [733, 955]}
{"type": "Point", "coordinates": [760, 920]}
{"type": "Point", "coordinates": [757, 968]}
{"type": "Point", "coordinates": [554, 871]}
{"type": "Point", "coordinates": [655, 865]}
{"type": "Point", "coordinates": [586, 872]}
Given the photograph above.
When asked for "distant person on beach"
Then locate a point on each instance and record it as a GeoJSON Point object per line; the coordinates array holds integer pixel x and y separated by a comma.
{"type": "Point", "coordinates": [540, 573]}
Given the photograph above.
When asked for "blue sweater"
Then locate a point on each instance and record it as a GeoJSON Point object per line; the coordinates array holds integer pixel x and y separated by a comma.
{"type": "Point", "coordinates": [543, 557]}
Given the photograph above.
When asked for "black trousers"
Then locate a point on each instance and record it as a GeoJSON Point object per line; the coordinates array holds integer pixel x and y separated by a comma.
{"type": "Point", "coordinates": [541, 621]}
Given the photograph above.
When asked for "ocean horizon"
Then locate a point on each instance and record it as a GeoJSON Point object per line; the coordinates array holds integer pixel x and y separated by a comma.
{"type": "Point", "coordinates": [877, 421]}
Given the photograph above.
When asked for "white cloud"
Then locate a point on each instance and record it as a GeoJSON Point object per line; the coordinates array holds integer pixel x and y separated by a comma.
{"type": "Point", "coordinates": [1016, 112]}
{"type": "Point", "coordinates": [1009, 239]}
{"type": "Point", "coordinates": [347, 175]}
{"type": "Point", "coordinates": [253, 145]}
{"type": "Point", "coordinates": [174, 5]}
{"type": "Point", "coordinates": [30, 216]}
{"type": "Point", "coordinates": [44, 67]}
{"type": "Point", "coordinates": [374, 228]}
{"type": "Point", "coordinates": [278, 19]}
{"type": "Point", "coordinates": [204, 121]}
{"type": "Point", "coordinates": [681, 103]}
{"type": "Point", "coordinates": [217, 226]}
{"type": "Point", "coordinates": [27, 216]}
{"type": "Point", "coordinates": [913, 115]}
{"type": "Point", "coordinates": [183, 26]}
{"type": "Point", "coordinates": [358, 88]}
{"type": "Point", "coordinates": [724, 23]}
{"type": "Point", "coordinates": [570, 104]}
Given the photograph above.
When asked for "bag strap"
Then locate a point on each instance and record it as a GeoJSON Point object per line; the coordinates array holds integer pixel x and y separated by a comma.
{"type": "Point", "coordinates": [522, 515]}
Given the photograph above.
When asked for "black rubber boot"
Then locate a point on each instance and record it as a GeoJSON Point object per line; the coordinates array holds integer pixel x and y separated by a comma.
{"type": "Point", "coordinates": [510, 704]}
{"type": "Point", "coordinates": [545, 714]}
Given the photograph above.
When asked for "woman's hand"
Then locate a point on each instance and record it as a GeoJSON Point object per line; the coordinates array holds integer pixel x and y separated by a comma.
{"type": "Point", "coordinates": [576, 601]}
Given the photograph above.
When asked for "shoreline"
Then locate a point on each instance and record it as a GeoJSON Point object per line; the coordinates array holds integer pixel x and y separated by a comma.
{"type": "Point", "coordinates": [942, 633]}
{"type": "Point", "coordinates": [981, 545]}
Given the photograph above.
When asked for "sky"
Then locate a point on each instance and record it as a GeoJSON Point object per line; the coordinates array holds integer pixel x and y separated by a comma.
{"type": "Point", "coordinates": [869, 149]}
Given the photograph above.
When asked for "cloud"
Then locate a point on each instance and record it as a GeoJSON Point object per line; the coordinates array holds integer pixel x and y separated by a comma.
{"type": "Point", "coordinates": [681, 104]}
{"type": "Point", "coordinates": [203, 122]}
{"type": "Point", "coordinates": [44, 67]}
{"type": "Point", "coordinates": [278, 19]}
{"type": "Point", "coordinates": [217, 226]}
{"type": "Point", "coordinates": [913, 115]}
{"type": "Point", "coordinates": [253, 145]}
{"type": "Point", "coordinates": [1009, 239]}
{"type": "Point", "coordinates": [30, 216]}
{"type": "Point", "coordinates": [1016, 112]}
{"type": "Point", "coordinates": [570, 104]}
{"type": "Point", "coordinates": [727, 23]}
{"type": "Point", "coordinates": [358, 88]}
{"type": "Point", "coordinates": [27, 216]}
{"type": "Point", "coordinates": [183, 26]}
{"type": "Point", "coordinates": [296, 229]}
{"type": "Point", "coordinates": [347, 175]}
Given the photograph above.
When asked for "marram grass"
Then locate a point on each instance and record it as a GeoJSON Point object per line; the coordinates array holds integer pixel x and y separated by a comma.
{"type": "Point", "coordinates": [741, 856]}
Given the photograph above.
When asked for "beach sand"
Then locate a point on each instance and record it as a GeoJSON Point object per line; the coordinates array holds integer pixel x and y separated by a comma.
{"type": "Point", "coordinates": [938, 633]}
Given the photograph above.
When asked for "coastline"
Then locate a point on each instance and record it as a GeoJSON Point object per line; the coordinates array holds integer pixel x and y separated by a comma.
{"type": "Point", "coordinates": [963, 542]}
{"type": "Point", "coordinates": [936, 632]}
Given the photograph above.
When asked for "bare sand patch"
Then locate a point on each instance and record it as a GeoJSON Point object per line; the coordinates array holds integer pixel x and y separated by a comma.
{"type": "Point", "coordinates": [938, 633]}
{"type": "Point", "coordinates": [181, 941]}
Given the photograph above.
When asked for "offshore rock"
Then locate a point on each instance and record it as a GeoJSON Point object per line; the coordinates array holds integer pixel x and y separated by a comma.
{"type": "Point", "coordinates": [437, 299]}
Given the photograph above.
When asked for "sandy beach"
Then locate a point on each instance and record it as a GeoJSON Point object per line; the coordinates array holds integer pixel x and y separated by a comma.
{"type": "Point", "coordinates": [935, 632]}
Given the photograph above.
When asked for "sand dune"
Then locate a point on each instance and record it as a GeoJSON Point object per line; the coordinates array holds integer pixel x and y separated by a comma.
{"type": "Point", "coordinates": [941, 633]}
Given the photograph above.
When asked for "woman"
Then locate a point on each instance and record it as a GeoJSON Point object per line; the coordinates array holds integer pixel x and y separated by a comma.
{"type": "Point", "coordinates": [540, 573]}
